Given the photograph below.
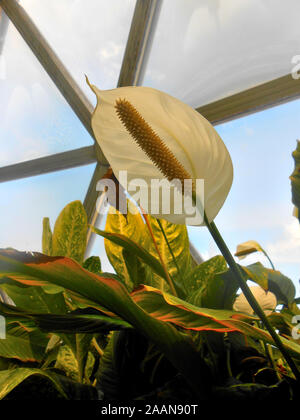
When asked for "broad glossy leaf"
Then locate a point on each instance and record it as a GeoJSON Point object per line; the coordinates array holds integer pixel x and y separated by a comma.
{"type": "Point", "coordinates": [39, 269]}
{"type": "Point", "coordinates": [46, 237]}
{"type": "Point", "coordinates": [201, 275]}
{"type": "Point", "coordinates": [170, 239]}
{"type": "Point", "coordinates": [211, 285]}
{"type": "Point", "coordinates": [218, 293]}
{"type": "Point", "coordinates": [22, 344]}
{"type": "Point", "coordinates": [36, 299]}
{"type": "Point", "coordinates": [108, 375]}
{"type": "Point", "coordinates": [73, 356]}
{"type": "Point", "coordinates": [92, 264]}
{"type": "Point", "coordinates": [257, 273]}
{"type": "Point", "coordinates": [67, 362]}
{"type": "Point", "coordinates": [35, 269]}
{"type": "Point", "coordinates": [131, 226]}
{"type": "Point", "coordinates": [134, 248]}
{"type": "Point", "coordinates": [9, 379]}
{"type": "Point", "coordinates": [282, 287]}
{"type": "Point", "coordinates": [83, 343]}
{"type": "Point", "coordinates": [138, 272]}
{"type": "Point", "coordinates": [127, 264]}
{"type": "Point", "coordinates": [169, 308]}
{"type": "Point", "coordinates": [131, 367]}
{"type": "Point", "coordinates": [70, 231]}
{"type": "Point", "coordinates": [295, 179]}
{"type": "Point", "coordinates": [72, 323]}
{"type": "Point", "coordinates": [239, 391]}
{"type": "Point", "coordinates": [80, 321]}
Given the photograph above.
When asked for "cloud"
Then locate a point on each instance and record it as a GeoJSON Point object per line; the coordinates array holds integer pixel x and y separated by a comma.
{"type": "Point", "coordinates": [286, 249]}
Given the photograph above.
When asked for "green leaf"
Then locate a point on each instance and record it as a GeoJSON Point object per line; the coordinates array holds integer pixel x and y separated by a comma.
{"type": "Point", "coordinates": [202, 274]}
{"type": "Point", "coordinates": [22, 344]}
{"type": "Point", "coordinates": [46, 237]}
{"type": "Point", "coordinates": [130, 226]}
{"type": "Point", "coordinates": [86, 320]}
{"type": "Point", "coordinates": [108, 374]}
{"type": "Point", "coordinates": [66, 361]}
{"type": "Point", "coordinates": [171, 309]}
{"type": "Point", "coordinates": [219, 293]}
{"type": "Point", "coordinates": [36, 298]}
{"type": "Point", "coordinates": [10, 379]}
{"type": "Point", "coordinates": [83, 343]}
{"type": "Point", "coordinates": [170, 239]}
{"type": "Point", "coordinates": [282, 287]}
{"type": "Point", "coordinates": [73, 356]}
{"type": "Point", "coordinates": [251, 392]}
{"type": "Point", "coordinates": [38, 269]}
{"type": "Point", "coordinates": [210, 284]}
{"type": "Point", "coordinates": [84, 323]}
{"type": "Point", "coordinates": [138, 272]}
{"type": "Point", "coordinates": [295, 179]}
{"type": "Point", "coordinates": [257, 273]}
{"type": "Point", "coordinates": [134, 248]}
{"type": "Point", "coordinates": [70, 232]}
{"type": "Point", "coordinates": [92, 264]}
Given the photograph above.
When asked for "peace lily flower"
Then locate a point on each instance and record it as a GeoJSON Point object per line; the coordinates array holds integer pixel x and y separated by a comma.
{"type": "Point", "coordinates": [153, 135]}
{"type": "Point", "coordinates": [266, 299]}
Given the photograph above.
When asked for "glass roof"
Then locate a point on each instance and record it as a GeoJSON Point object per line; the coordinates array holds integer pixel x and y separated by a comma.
{"type": "Point", "coordinates": [29, 200]}
{"type": "Point", "coordinates": [35, 119]}
{"type": "Point", "coordinates": [89, 37]}
{"type": "Point", "coordinates": [209, 49]}
{"type": "Point", "coordinates": [93, 46]}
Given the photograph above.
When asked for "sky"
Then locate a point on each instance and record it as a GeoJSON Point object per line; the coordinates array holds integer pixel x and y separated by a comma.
{"type": "Point", "coordinates": [36, 121]}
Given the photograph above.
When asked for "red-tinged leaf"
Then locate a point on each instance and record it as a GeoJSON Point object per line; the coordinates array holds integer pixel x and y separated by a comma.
{"type": "Point", "coordinates": [108, 292]}
{"type": "Point", "coordinates": [35, 269]}
{"type": "Point", "coordinates": [21, 344]}
{"type": "Point", "coordinates": [10, 379]}
{"type": "Point", "coordinates": [168, 308]}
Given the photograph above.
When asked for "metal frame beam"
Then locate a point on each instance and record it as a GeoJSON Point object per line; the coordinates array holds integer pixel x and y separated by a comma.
{"type": "Point", "coordinates": [52, 65]}
{"type": "Point", "coordinates": [143, 23]}
{"type": "Point", "coordinates": [47, 164]}
{"type": "Point", "coordinates": [258, 98]}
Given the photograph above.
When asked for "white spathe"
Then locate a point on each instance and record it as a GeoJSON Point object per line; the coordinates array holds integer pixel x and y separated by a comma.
{"type": "Point", "coordinates": [190, 137]}
{"type": "Point", "coordinates": [266, 299]}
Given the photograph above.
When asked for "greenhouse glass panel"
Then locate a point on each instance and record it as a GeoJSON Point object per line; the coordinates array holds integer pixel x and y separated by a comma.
{"type": "Point", "coordinates": [207, 50]}
{"type": "Point", "coordinates": [35, 119]}
{"type": "Point", "coordinates": [28, 200]}
{"type": "Point", "coordinates": [89, 37]}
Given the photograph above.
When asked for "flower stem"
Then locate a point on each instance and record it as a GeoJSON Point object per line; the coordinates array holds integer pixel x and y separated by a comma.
{"type": "Point", "coordinates": [266, 255]}
{"type": "Point", "coordinates": [249, 296]}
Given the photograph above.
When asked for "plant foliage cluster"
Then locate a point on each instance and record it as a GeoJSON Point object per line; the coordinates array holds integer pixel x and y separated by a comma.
{"type": "Point", "coordinates": [75, 332]}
